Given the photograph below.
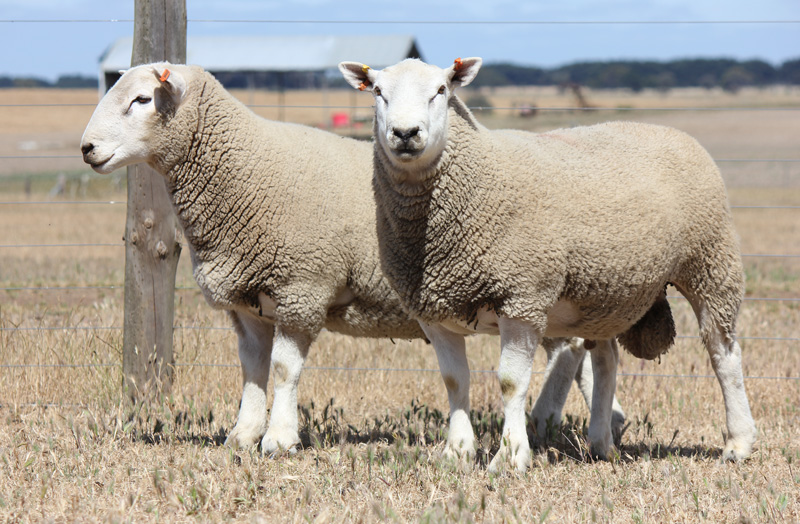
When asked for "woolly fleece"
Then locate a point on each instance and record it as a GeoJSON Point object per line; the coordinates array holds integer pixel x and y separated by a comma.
{"type": "Point", "coordinates": [602, 216]}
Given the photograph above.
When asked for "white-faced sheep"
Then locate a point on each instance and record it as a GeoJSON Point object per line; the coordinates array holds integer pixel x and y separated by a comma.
{"type": "Point", "coordinates": [280, 222]}
{"type": "Point", "coordinates": [574, 232]}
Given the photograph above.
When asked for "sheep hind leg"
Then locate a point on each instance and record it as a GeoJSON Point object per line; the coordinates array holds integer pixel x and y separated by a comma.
{"type": "Point", "coordinates": [563, 364]}
{"type": "Point", "coordinates": [726, 359]}
{"type": "Point", "coordinates": [605, 357]}
{"type": "Point", "coordinates": [584, 377]}
{"type": "Point", "coordinates": [288, 355]}
{"type": "Point", "coordinates": [518, 341]}
{"type": "Point", "coordinates": [566, 359]}
{"type": "Point", "coordinates": [255, 352]}
{"type": "Point", "coordinates": [451, 354]}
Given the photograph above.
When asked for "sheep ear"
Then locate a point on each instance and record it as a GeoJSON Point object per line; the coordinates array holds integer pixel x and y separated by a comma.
{"type": "Point", "coordinates": [358, 75]}
{"type": "Point", "coordinates": [172, 81]}
{"type": "Point", "coordinates": [463, 71]}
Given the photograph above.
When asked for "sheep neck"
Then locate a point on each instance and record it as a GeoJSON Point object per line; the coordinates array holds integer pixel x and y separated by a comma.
{"type": "Point", "coordinates": [213, 185]}
{"type": "Point", "coordinates": [426, 226]}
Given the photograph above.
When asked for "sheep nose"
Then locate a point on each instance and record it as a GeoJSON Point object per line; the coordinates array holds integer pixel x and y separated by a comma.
{"type": "Point", "coordinates": [406, 134]}
{"type": "Point", "coordinates": [87, 148]}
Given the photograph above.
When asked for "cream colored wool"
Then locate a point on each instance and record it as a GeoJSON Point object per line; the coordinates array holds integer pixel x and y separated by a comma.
{"type": "Point", "coordinates": [280, 222]}
{"type": "Point", "coordinates": [603, 216]}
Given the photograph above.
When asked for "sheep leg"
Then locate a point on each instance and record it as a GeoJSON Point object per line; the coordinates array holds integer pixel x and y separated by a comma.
{"type": "Point", "coordinates": [452, 356]}
{"type": "Point", "coordinates": [726, 359]}
{"type": "Point", "coordinates": [584, 377]}
{"type": "Point", "coordinates": [255, 350]}
{"type": "Point", "coordinates": [288, 355]}
{"type": "Point", "coordinates": [605, 357]}
{"type": "Point", "coordinates": [563, 364]}
{"type": "Point", "coordinates": [566, 359]}
{"type": "Point", "coordinates": [518, 340]}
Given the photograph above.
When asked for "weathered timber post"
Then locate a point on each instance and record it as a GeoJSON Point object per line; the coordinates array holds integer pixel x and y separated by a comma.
{"type": "Point", "coordinates": [152, 232]}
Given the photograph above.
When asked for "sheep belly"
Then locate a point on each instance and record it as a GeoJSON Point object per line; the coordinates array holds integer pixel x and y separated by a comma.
{"type": "Point", "coordinates": [563, 320]}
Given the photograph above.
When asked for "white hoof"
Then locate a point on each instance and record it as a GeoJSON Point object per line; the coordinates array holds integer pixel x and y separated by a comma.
{"type": "Point", "coordinates": [736, 451]}
{"type": "Point", "coordinates": [276, 442]}
{"type": "Point", "coordinates": [242, 436]}
{"type": "Point", "coordinates": [517, 457]}
{"type": "Point", "coordinates": [463, 450]}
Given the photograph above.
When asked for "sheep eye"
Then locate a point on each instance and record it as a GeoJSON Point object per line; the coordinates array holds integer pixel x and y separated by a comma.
{"type": "Point", "coordinates": [442, 90]}
{"type": "Point", "coordinates": [377, 91]}
{"type": "Point", "coordinates": [141, 99]}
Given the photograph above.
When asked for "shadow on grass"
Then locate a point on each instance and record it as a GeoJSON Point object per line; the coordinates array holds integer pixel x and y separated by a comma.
{"type": "Point", "coordinates": [422, 426]}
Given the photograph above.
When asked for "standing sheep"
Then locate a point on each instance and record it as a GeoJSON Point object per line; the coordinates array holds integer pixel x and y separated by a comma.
{"type": "Point", "coordinates": [569, 233]}
{"type": "Point", "coordinates": [280, 222]}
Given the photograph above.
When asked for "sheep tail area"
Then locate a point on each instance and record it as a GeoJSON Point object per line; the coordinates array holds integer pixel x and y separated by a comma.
{"type": "Point", "coordinates": [653, 334]}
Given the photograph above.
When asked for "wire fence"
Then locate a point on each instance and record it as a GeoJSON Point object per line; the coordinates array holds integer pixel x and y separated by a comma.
{"type": "Point", "coordinates": [792, 244]}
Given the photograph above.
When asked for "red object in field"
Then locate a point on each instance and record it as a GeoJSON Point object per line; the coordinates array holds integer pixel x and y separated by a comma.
{"type": "Point", "coordinates": [340, 119]}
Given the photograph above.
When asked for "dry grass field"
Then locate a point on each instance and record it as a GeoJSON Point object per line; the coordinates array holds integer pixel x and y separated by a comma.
{"type": "Point", "coordinates": [373, 412]}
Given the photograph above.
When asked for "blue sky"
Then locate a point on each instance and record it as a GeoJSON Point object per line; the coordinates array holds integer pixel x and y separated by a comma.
{"type": "Point", "coordinates": [50, 49]}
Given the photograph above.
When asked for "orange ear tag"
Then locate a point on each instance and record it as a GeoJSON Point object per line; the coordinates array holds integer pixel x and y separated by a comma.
{"type": "Point", "coordinates": [362, 87]}
{"type": "Point", "coordinates": [164, 75]}
{"type": "Point", "coordinates": [459, 63]}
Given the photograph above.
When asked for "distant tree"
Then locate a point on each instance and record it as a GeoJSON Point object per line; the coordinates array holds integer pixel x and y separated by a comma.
{"type": "Point", "coordinates": [664, 81]}
{"type": "Point", "coordinates": [75, 82]}
{"type": "Point", "coordinates": [26, 82]}
{"type": "Point", "coordinates": [736, 78]}
{"type": "Point", "coordinates": [789, 72]}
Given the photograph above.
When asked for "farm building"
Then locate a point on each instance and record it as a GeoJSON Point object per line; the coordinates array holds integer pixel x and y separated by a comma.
{"type": "Point", "coordinates": [272, 61]}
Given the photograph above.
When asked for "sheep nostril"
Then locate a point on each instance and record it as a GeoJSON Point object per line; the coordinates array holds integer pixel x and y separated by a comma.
{"type": "Point", "coordinates": [87, 148]}
{"type": "Point", "coordinates": [406, 134]}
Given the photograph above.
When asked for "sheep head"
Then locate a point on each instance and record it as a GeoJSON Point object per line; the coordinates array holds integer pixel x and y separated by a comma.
{"type": "Point", "coordinates": [124, 127]}
{"type": "Point", "coordinates": [411, 106]}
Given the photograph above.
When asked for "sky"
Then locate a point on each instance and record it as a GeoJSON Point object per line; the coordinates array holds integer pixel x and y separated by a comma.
{"type": "Point", "coordinates": [49, 49]}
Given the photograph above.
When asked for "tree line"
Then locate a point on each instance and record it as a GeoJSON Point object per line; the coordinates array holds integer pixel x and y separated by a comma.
{"type": "Point", "coordinates": [728, 74]}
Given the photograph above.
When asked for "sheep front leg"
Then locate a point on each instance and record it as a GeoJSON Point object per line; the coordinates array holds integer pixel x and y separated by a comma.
{"type": "Point", "coordinates": [288, 355]}
{"type": "Point", "coordinates": [518, 340]}
{"type": "Point", "coordinates": [452, 356]}
{"type": "Point", "coordinates": [255, 350]}
{"type": "Point", "coordinates": [604, 366]}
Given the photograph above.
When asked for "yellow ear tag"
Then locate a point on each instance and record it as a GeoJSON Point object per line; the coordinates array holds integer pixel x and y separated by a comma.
{"type": "Point", "coordinates": [365, 68]}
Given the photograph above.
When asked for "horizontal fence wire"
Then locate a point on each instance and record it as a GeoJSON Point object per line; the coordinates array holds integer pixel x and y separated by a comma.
{"type": "Point", "coordinates": [385, 370]}
{"type": "Point", "coordinates": [408, 21]}
{"type": "Point", "coordinates": [231, 331]}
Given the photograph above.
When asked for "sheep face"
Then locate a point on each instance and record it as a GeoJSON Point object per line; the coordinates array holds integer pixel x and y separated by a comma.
{"type": "Point", "coordinates": [122, 130]}
{"type": "Point", "coordinates": [411, 106]}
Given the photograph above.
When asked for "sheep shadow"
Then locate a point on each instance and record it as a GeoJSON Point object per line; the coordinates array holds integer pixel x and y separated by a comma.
{"type": "Point", "coordinates": [421, 426]}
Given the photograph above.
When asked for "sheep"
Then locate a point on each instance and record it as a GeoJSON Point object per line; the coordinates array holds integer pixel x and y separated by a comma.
{"type": "Point", "coordinates": [574, 232]}
{"type": "Point", "coordinates": [280, 223]}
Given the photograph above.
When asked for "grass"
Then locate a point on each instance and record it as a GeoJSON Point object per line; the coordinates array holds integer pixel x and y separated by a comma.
{"type": "Point", "coordinates": [71, 449]}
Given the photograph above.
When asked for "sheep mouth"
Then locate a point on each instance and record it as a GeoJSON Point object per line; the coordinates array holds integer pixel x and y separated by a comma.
{"type": "Point", "coordinates": [406, 152]}
{"type": "Point", "coordinates": [99, 165]}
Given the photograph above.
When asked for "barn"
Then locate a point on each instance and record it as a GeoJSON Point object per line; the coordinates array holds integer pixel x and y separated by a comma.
{"type": "Point", "coordinates": [272, 61]}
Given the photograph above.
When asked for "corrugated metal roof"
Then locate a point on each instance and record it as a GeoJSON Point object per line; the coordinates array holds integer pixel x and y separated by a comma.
{"type": "Point", "coordinates": [277, 53]}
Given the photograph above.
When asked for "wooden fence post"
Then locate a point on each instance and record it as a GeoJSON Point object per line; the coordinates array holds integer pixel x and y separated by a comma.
{"type": "Point", "coordinates": [152, 232]}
